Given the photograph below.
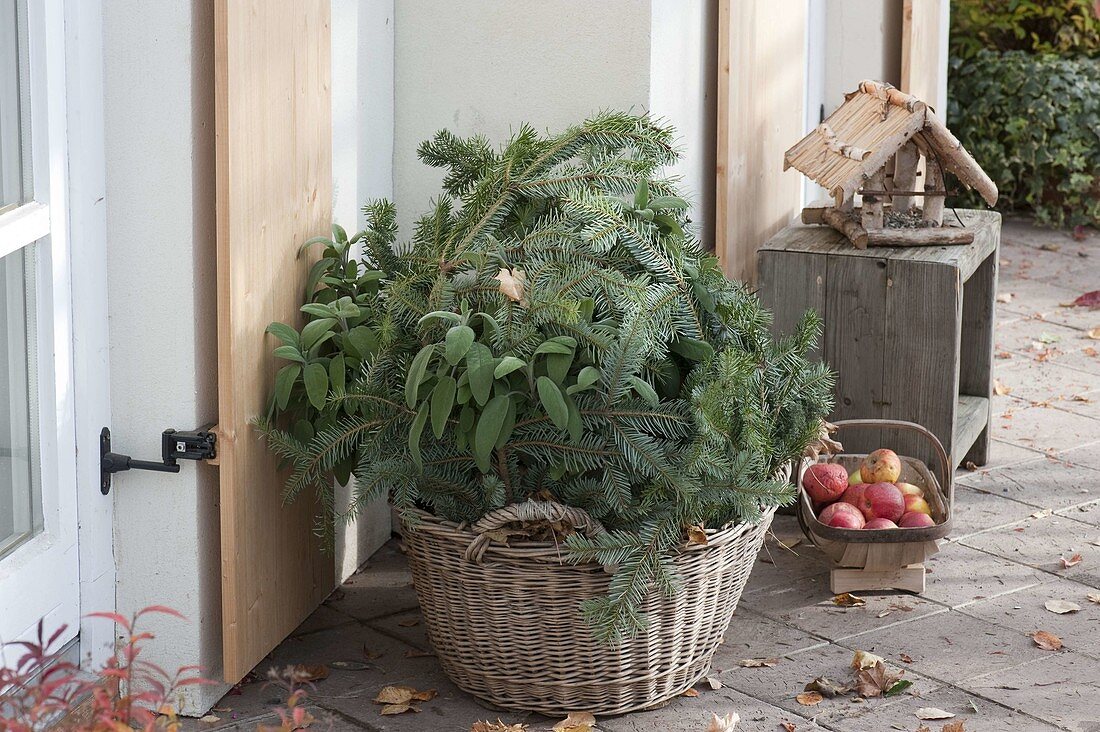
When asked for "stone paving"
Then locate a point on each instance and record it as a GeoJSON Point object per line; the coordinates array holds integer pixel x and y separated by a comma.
{"type": "Point", "coordinates": [965, 643]}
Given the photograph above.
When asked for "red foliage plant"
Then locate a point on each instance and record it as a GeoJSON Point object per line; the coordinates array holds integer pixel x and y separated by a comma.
{"type": "Point", "coordinates": [42, 689]}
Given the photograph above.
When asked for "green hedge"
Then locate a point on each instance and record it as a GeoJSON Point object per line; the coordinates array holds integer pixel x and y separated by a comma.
{"type": "Point", "coordinates": [1064, 27]}
{"type": "Point", "coordinates": [1033, 123]}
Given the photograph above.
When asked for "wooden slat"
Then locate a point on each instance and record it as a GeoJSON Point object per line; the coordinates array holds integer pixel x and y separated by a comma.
{"type": "Point", "coordinates": [788, 291]}
{"type": "Point", "coordinates": [921, 70]}
{"type": "Point", "coordinates": [761, 98]}
{"type": "Point", "coordinates": [274, 191]}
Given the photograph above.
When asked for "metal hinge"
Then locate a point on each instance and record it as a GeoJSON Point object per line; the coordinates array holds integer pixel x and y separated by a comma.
{"type": "Point", "coordinates": [175, 445]}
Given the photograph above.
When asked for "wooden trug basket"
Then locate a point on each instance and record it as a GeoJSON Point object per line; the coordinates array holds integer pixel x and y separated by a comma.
{"type": "Point", "coordinates": [883, 559]}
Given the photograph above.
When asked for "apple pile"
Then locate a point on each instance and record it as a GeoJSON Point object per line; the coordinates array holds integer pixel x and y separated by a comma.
{"type": "Point", "coordinates": [869, 498]}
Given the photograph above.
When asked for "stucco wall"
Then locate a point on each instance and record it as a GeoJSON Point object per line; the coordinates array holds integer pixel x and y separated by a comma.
{"type": "Point", "coordinates": [863, 41]}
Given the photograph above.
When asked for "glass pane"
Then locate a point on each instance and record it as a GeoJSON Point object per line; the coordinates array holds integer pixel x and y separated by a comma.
{"type": "Point", "coordinates": [15, 183]}
{"type": "Point", "coordinates": [20, 485]}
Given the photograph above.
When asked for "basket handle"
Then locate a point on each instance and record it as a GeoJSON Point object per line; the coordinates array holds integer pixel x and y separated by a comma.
{"type": "Point", "coordinates": [946, 472]}
{"type": "Point", "coordinates": [529, 510]}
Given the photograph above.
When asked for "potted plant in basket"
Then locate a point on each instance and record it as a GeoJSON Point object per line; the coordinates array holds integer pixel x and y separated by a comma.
{"type": "Point", "coordinates": [583, 424]}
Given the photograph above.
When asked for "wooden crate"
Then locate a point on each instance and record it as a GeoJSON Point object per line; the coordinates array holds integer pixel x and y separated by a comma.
{"type": "Point", "coordinates": [909, 331]}
{"type": "Point", "coordinates": [883, 559]}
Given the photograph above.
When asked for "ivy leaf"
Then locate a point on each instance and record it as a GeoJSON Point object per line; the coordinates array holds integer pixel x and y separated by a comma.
{"type": "Point", "coordinates": [316, 378]}
{"type": "Point", "coordinates": [284, 382]}
{"type": "Point", "coordinates": [443, 398]}
{"type": "Point", "coordinates": [488, 429]}
{"type": "Point", "coordinates": [458, 341]}
{"type": "Point", "coordinates": [553, 402]}
{"type": "Point", "coordinates": [416, 374]}
{"type": "Point", "coordinates": [480, 366]}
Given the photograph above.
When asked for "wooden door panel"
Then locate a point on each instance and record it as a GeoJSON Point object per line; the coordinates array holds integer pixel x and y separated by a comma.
{"type": "Point", "coordinates": [274, 191]}
{"type": "Point", "coordinates": [922, 44]}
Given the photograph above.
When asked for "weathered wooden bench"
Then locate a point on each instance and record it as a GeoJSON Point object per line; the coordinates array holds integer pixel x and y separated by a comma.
{"type": "Point", "coordinates": [909, 330]}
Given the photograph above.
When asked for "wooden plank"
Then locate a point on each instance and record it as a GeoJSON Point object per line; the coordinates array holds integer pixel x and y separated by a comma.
{"type": "Point", "coordinates": [854, 344]}
{"type": "Point", "coordinates": [921, 374]}
{"type": "Point", "coordinates": [274, 191]}
{"type": "Point", "coordinates": [972, 416]}
{"type": "Point", "coordinates": [909, 579]}
{"type": "Point", "coordinates": [976, 356]}
{"type": "Point", "coordinates": [789, 285]}
{"type": "Point", "coordinates": [760, 114]}
{"type": "Point", "coordinates": [922, 53]}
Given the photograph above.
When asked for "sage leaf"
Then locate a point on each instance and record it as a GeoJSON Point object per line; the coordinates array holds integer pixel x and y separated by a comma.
{"type": "Point", "coordinates": [284, 382]}
{"type": "Point", "coordinates": [363, 341]}
{"type": "Point", "coordinates": [314, 330]}
{"type": "Point", "coordinates": [557, 366]}
{"type": "Point", "coordinates": [336, 374]}
{"type": "Point", "coordinates": [553, 401]}
{"type": "Point", "coordinates": [416, 374]}
{"type": "Point", "coordinates": [316, 379]}
{"type": "Point", "coordinates": [693, 350]}
{"type": "Point", "coordinates": [414, 435]}
{"type": "Point", "coordinates": [458, 341]}
{"type": "Point", "coordinates": [645, 391]}
{"type": "Point", "coordinates": [290, 353]}
{"type": "Point", "coordinates": [443, 398]}
{"type": "Point", "coordinates": [284, 333]}
{"type": "Point", "coordinates": [488, 429]}
{"type": "Point", "coordinates": [588, 376]}
{"type": "Point", "coordinates": [480, 366]}
{"type": "Point", "coordinates": [507, 365]}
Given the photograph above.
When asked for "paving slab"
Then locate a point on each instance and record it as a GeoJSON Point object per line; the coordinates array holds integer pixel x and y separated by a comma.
{"type": "Point", "coordinates": [692, 714]}
{"type": "Point", "coordinates": [383, 586]}
{"type": "Point", "coordinates": [1063, 688]}
{"type": "Point", "coordinates": [959, 575]}
{"type": "Point", "coordinates": [1032, 337]}
{"type": "Point", "coordinates": [751, 635]}
{"type": "Point", "coordinates": [1043, 428]}
{"type": "Point", "coordinates": [979, 510]}
{"type": "Point", "coordinates": [786, 557]}
{"type": "Point", "coordinates": [1025, 611]}
{"type": "Point", "coordinates": [1086, 457]}
{"type": "Point", "coordinates": [1042, 543]}
{"type": "Point", "coordinates": [1037, 383]}
{"type": "Point", "coordinates": [1045, 482]}
{"type": "Point", "coordinates": [1088, 513]}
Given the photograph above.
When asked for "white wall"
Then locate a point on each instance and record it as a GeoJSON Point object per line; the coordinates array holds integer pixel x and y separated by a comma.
{"type": "Point", "coordinates": [159, 121]}
{"type": "Point", "coordinates": [863, 41]}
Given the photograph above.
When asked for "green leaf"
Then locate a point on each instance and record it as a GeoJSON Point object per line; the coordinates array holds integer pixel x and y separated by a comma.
{"type": "Point", "coordinates": [645, 391]}
{"type": "Point", "coordinates": [284, 333]}
{"type": "Point", "coordinates": [316, 272]}
{"type": "Point", "coordinates": [693, 350]}
{"type": "Point", "coordinates": [443, 399]}
{"type": "Point", "coordinates": [557, 366]}
{"type": "Point", "coordinates": [303, 431]}
{"type": "Point", "coordinates": [415, 431]}
{"type": "Point", "coordinates": [659, 203]}
{"type": "Point", "coordinates": [290, 353]}
{"type": "Point", "coordinates": [440, 315]}
{"type": "Point", "coordinates": [575, 427]}
{"type": "Point", "coordinates": [553, 347]}
{"type": "Point", "coordinates": [898, 687]}
{"type": "Point", "coordinates": [508, 425]}
{"type": "Point", "coordinates": [321, 311]}
{"type": "Point", "coordinates": [416, 374]}
{"type": "Point", "coordinates": [553, 402]}
{"type": "Point", "coordinates": [671, 225]}
{"type": "Point", "coordinates": [337, 374]}
{"type": "Point", "coordinates": [480, 365]}
{"type": "Point", "coordinates": [641, 194]}
{"type": "Point", "coordinates": [488, 429]}
{"type": "Point", "coordinates": [458, 341]}
{"type": "Point", "coordinates": [363, 340]}
{"type": "Point", "coordinates": [314, 330]}
{"type": "Point", "coordinates": [316, 378]}
{"type": "Point", "coordinates": [284, 382]}
{"type": "Point", "coordinates": [507, 365]}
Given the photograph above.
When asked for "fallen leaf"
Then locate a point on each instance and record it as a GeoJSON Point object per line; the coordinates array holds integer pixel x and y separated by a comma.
{"type": "Point", "coordinates": [809, 698]}
{"type": "Point", "coordinates": [1004, 355]}
{"type": "Point", "coordinates": [1050, 246]}
{"type": "Point", "coordinates": [922, 728]}
{"type": "Point", "coordinates": [1080, 398]}
{"type": "Point", "coordinates": [210, 719]}
{"type": "Point", "coordinates": [877, 681]}
{"type": "Point", "coordinates": [905, 657]}
{"type": "Point", "coordinates": [1094, 597]}
{"type": "Point", "coordinates": [898, 687]}
{"type": "Point", "coordinates": [307, 672]}
{"type": "Point", "coordinates": [713, 683]}
{"type": "Point", "coordinates": [970, 465]}
{"type": "Point", "coordinates": [956, 726]}
{"type": "Point", "coordinates": [788, 726]}
{"type": "Point", "coordinates": [697, 535]}
{"type": "Point", "coordinates": [933, 713]}
{"type": "Point", "coordinates": [862, 660]}
{"type": "Point", "coordinates": [1004, 297]}
{"type": "Point", "coordinates": [1072, 561]}
{"type": "Point", "coordinates": [512, 284]}
{"type": "Point", "coordinates": [369, 654]}
{"type": "Point", "coordinates": [1061, 607]}
{"type": "Point", "coordinates": [1090, 351]}
{"type": "Point", "coordinates": [1042, 513]}
{"type": "Point", "coordinates": [757, 662]}
{"type": "Point", "coordinates": [1087, 300]}
{"type": "Point", "coordinates": [725, 723]}
{"type": "Point", "coordinates": [1080, 232]}
{"type": "Point", "coordinates": [847, 599]}
{"type": "Point", "coordinates": [399, 699]}
{"type": "Point", "coordinates": [1094, 334]}
{"type": "Point", "coordinates": [690, 693]}
{"type": "Point", "coordinates": [409, 622]}
{"type": "Point", "coordinates": [576, 722]}
{"type": "Point", "coordinates": [497, 726]}
{"type": "Point", "coordinates": [827, 688]}
{"type": "Point", "coordinates": [1047, 641]}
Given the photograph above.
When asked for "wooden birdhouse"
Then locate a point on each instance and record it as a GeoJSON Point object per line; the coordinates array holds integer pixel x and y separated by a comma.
{"type": "Point", "coordinates": [873, 146]}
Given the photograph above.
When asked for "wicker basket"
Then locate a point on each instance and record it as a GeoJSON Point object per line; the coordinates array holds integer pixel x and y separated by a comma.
{"type": "Point", "coordinates": [506, 625]}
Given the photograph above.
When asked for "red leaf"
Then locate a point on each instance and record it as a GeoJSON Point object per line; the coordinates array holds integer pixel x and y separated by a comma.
{"type": "Point", "coordinates": [163, 609]}
{"type": "Point", "coordinates": [113, 617]}
{"type": "Point", "coordinates": [1088, 300]}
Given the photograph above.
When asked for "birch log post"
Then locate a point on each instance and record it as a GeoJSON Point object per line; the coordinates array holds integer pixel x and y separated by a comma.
{"type": "Point", "coordinates": [842, 222]}
{"type": "Point", "coordinates": [872, 204]}
{"type": "Point", "coordinates": [956, 159]}
{"type": "Point", "coordinates": [933, 192]}
{"type": "Point", "coordinates": [905, 176]}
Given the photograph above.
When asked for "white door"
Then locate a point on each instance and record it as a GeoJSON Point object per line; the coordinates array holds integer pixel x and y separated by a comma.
{"type": "Point", "coordinates": [40, 557]}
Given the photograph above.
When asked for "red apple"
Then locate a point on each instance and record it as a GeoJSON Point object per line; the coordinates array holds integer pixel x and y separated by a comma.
{"type": "Point", "coordinates": [916, 520]}
{"type": "Point", "coordinates": [916, 504]}
{"type": "Point", "coordinates": [882, 500]}
{"type": "Point", "coordinates": [842, 516]}
{"type": "Point", "coordinates": [880, 524]}
{"type": "Point", "coordinates": [881, 466]}
{"type": "Point", "coordinates": [854, 495]}
{"type": "Point", "coordinates": [908, 489]}
{"type": "Point", "coordinates": [825, 482]}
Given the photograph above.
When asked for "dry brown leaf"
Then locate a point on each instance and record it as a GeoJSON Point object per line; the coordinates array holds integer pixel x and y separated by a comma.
{"type": "Point", "coordinates": [809, 698]}
{"type": "Point", "coordinates": [1072, 561]}
{"type": "Point", "coordinates": [210, 719]}
{"type": "Point", "coordinates": [1090, 351]}
{"type": "Point", "coordinates": [1047, 641]}
{"type": "Point", "coordinates": [863, 659]}
{"type": "Point", "coordinates": [1061, 607]}
{"type": "Point", "coordinates": [823, 443]}
{"type": "Point", "coordinates": [697, 535]}
{"type": "Point", "coordinates": [788, 726]}
{"type": "Point", "coordinates": [307, 672]}
{"type": "Point", "coordinates": [827, 687]}
{"type": "Point", "coordinates": [512, 284]}
{"type": "Point", "coordinates": [933, 713]}
{"type": "Point", "coordinates": [847, 599]}
{"type": "Point", "coordinates": [757, 662]}
{"type": "Point", "coordinates": [725, 723]}
{"type": "Point", "coordinates": [409, 622]}
{"type": "Point", "coordinates": [690, 693]}
{"type": "Point", "coordinates": [399, 699]}
{"type": "Point", "coordinates": [1004, 297]}
{"type": "Point", "coordinates": [389, 709]}
{"type": "Point", "coordinates": [497, 726]}
{"type": "Point", "coordinates": [1000, 389]}
{"type": "Point", "coordinates": [956, 726]}
{"type": "Point", "coordinates": [576, 722]}
{"type": "Point", "coordinates": [924, 728]}
{"type": "Point", "coordinates": [905, 657]}
{"type": "Point", "coordinates": [1094, 334]}
{"type": "Point", "coordinates": [713, 683]}
{"type": "Point", "coordinates": [1004, 355]}
{"type": "Point", "coordinates": [875, 681]}
{"type": "Point", "coordinates": [1094, 597]}
{"type": "Point", "coordinates": [1080, 398]}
